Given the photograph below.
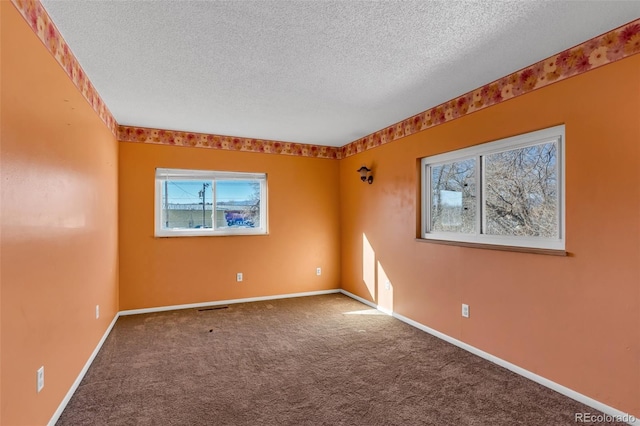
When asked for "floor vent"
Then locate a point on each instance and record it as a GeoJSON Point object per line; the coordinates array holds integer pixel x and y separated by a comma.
{"type": "Point", "coordinates": [213, 308]}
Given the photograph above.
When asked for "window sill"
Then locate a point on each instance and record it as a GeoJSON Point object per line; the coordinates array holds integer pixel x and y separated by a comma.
{"type": "Point", "coordinates": [211, 234]}
{"type": "Point", "coordinates": [548, 252]}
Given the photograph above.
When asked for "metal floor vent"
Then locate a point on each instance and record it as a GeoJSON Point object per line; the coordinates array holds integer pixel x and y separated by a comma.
{"type": "Point", "coordinates": [213, 308]}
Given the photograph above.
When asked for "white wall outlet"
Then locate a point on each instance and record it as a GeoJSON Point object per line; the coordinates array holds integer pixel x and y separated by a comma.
{"type": "Point", "coordinates": [239, 276]}
{"type": "Point", "coordinates": [318, 271]}
{"type": "Point", "coordinates": [40, 378]}
{"type": "Point", "coordinates": [97, 311]}
{"type": "Point", "coordinates": [465, 310]}
{"type": "Point", "coordinates": [387, 285]}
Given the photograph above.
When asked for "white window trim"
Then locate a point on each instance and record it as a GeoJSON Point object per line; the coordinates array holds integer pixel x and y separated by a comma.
{"type": "Point", "coordinates": [552, 134]}
{"type": "Point", "coordinates": [184, 174]}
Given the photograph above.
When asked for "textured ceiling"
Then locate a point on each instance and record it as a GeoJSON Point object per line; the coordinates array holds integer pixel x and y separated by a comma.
{"type": "Point", "coordinates": [319, 72]}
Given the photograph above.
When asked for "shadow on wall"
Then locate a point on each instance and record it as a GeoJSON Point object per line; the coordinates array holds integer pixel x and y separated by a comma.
{"type": "Point", "coordinates": [375, 278]}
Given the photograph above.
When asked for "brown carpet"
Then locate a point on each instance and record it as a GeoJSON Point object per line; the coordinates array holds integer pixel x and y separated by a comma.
{"type": "Point", "coordinates": [304, 361]}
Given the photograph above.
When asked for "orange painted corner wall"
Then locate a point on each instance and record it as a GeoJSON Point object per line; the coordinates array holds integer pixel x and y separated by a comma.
{"type": "Point", "coordinates": [574, 320]}
{"type": "Point", "coordinates": [303, 222]}
{"type": "Point", "coordinates": [58, 230]}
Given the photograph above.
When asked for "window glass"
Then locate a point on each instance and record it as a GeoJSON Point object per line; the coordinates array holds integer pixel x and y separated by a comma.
{"type": "Point", "coordinates": [521, 192]}
{"type": "Point", "coordinates": [237, 204]}
{"type": "Point", "coordinates": [453, 197]}
{"type": "Point", "coordinates": [186, 204]}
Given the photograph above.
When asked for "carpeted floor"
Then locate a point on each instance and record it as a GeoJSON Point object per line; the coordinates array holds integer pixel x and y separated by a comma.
{"type": "Point", "coordinates": [306, 361]}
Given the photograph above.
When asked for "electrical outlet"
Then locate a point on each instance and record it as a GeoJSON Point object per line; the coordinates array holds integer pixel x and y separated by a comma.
{"type": "Point", "coordinates": [387, 285]}
{"type": "Point", "coordinates": [318, 271]}
{"type": "Point", "coordinates": [465, 310]}
{"type": "Point", "coordinates": [40, 378]}
{"type": "Point", "coordinates": [97, 311]}
{"type": "Point", "coordinates": [239, 276]}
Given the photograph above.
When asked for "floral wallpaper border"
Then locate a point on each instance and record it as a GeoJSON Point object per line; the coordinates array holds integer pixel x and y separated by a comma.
{"type": "Point", "coordinates": [40, 22]}
{"type": "Point", "coordinates": [607, 48]}
{"type": "Point", "coordinates": [232, 143]}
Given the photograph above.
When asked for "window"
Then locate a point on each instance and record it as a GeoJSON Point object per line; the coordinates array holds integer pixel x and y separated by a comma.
{"type": "Point", "coordinates": [508, 192]}
{"type": "Point", "coordinates": [199, 202]}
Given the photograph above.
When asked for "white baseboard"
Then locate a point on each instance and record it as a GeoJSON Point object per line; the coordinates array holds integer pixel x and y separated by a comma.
{"type": "Point", "coordinates": [614, 413]}
{"type": "Point", "coordinates": [84, 370]}
{"type": "Point", "coordinates": [359, 299]}
{"type": "Point", "coordinates": [226, 302]}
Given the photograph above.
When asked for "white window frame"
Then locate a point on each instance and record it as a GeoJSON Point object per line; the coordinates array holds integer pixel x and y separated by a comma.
{"type": "Point", "coordinates": [553, 134]}
{"type": "Point", "coordinates": [163, 174]}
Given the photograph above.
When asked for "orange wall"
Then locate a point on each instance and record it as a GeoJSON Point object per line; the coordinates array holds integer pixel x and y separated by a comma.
{"type": "Point", "coordinates": [303, 231]}
{"type": "Point", "coordinates": [59, 226]}
{"type": "Point", "coordinates": [574, 320]}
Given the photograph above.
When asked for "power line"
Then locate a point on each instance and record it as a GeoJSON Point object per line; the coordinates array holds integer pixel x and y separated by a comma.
{"type": "Point", "coordinates": [183, 190]}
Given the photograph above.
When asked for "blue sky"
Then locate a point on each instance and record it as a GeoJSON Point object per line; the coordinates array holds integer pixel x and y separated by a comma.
{"type": "Point", "coordinates": [186, 191]}
{"type": "Point", "coordinates": [451, 198]}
